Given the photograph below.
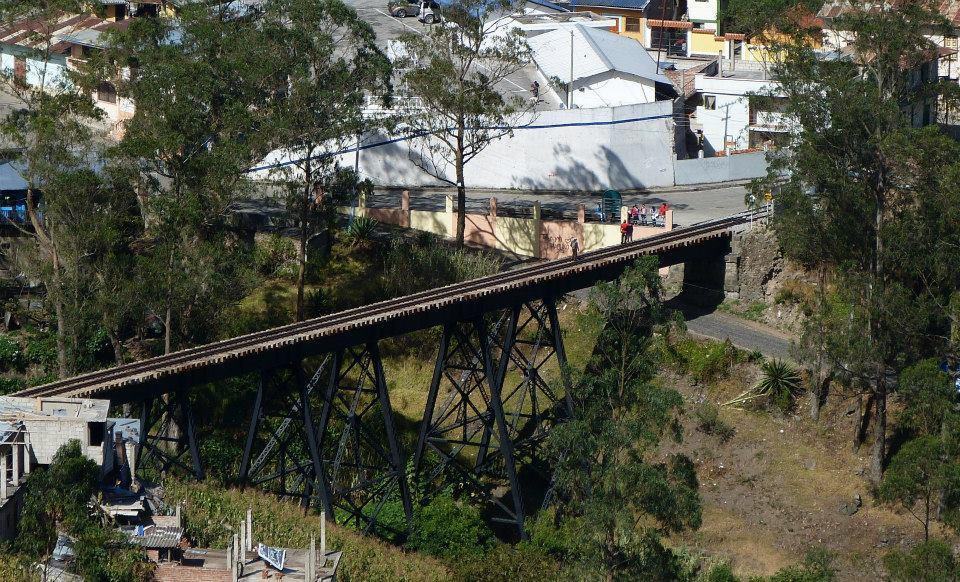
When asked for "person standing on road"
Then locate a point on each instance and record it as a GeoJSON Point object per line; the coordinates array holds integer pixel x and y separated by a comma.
{"type": "Point", "coordinates": [535, 90]}
{"type": "Point", "coordinates": [663, 214]}
{"type": "Point", "coordinates": [574, 247]}
{"type": "Point", "coordinates": [635, 215]}
{"type": "Point", "coordinates": [630, 233]}
{"type": "Point", "coordinates": [624, 227]}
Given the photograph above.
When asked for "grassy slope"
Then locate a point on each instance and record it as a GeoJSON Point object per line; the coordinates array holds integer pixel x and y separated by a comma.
{"type": "Point", "coordinates": [209, 510]}
{"type": "Point", "coordinates": [776, 488]}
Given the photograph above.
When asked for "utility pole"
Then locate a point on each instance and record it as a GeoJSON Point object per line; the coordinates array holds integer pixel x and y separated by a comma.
{"type": "Point", "coordinates": [570, 84]}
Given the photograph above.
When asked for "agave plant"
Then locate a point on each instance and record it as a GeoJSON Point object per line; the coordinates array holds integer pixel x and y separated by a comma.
{"type": "Point", "coordinates": [361, 229]}
{"type": "Point", "coordinates": [779, 384]}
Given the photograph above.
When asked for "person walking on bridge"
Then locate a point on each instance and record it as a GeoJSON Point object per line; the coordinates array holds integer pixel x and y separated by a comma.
{"type": "Point", "coordinates": [624, 227]}
{"type": "Point", "coordinates": [574, 247]}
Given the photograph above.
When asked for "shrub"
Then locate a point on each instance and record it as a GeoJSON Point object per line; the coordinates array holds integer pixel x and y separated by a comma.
{"type": "Point", "coordinates": [10, 385]}
{"type": "Point", "coordinates": [361, 229]}
{"type": "Point", "coordinates": [275, 256]}
{"type": "Point", "coordinates": [720, 573]}
{"type": "Point", "coordinates": [11, 354]}
{"type": "Point", "coordinates": [794, 292]}
{"type": "Point", "coordinates": [704, 361]}
{"type": "Point", "coordinates": [447, 528]}
{"type": "Point", "coordinates": [411, 267]}
{"type": "Point", "coordinates": [558, 538]}
{"type": "Point", "coordinates": [708, 420]}
{"type": "Point", "coordinates": [817, 566]}
{"type": "Point", "coordinates": [928, 561]}
{"type": "Point", "coordinates": [42, 350]}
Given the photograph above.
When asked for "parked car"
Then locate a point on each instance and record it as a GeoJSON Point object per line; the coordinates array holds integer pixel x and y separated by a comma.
{"type": "Point", "coordinates": [429, 12]}
{"type": "Point", "coordinates": [404, 8]}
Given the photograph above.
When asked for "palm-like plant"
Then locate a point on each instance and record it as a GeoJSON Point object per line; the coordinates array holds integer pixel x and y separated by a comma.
{"type": "Point", "coordinates": [779, 384]}
{"type": "Point", "coordinates": [361, 229]}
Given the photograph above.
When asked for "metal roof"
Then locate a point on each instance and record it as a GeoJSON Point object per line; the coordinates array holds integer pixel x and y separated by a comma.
{"type": "Point", "coordinates": [629, 4]}
{"type": "Point", "coordinates": [11, 176]}
{"type": "Point", "coordinates": [84, 409]}
{"type": "Point", "coordinates": [595, 51]}
{"type": "Point", "coordinates": [156, 537]}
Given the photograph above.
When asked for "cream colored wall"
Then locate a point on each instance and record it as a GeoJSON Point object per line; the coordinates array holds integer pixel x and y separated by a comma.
{"type": "Point", "coordinates": [437, 223]}
{"type": "Point", "coordinates": [707, 44]}
{"type": "Point", "coordinates": [517, 235]}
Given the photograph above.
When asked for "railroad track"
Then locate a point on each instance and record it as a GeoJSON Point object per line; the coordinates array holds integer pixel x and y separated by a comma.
{"type": "Point", "coordinates": [153, 369]}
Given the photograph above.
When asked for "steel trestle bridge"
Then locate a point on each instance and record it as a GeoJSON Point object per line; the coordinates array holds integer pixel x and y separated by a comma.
{"type": "Point", "coordinates": [330, 435]}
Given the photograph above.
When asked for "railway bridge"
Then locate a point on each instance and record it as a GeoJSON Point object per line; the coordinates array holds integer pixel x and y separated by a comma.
{"type": "Point", "coordinates": [322, 427]}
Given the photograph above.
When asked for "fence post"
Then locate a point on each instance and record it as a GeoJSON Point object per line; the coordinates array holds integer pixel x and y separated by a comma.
{"type": "Point", "coordinates": [581, 213]}
{"type": "Point", "coordinates": [668, 219]}
{"type": "Point", "coordinates": [537, 232]}
{"type": "Point", "coordinates": [362, 204]}
{"type": "Point", "coordinates": [624, 213]}
{"type": "Point", "coordinates": [493, 208]}
{"type": "Point", "coordinates": [405, 209]}
{"type": "Point", "coordinates": [451, 225]}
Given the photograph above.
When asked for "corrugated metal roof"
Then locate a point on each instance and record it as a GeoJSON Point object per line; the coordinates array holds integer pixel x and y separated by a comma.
{"type": "Point", "coordinates": [634, 4]}
{"type": "Point", "coordinates": [595, 52]}
{"type": "Point", "coordinates": [158, 537]}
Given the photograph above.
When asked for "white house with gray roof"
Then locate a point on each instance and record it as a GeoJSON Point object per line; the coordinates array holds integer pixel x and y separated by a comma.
{"type": "Point", "coordinates": [589, 67]}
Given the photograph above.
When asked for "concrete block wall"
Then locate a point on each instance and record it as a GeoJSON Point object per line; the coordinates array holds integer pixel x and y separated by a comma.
{"type": "Point", "coordinates": [47, 435]}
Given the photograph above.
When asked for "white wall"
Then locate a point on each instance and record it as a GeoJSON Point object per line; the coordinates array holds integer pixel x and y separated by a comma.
{"type": "Point", "coordinates": [703, 11]}
{"type": "Point", "coordinates": [720, 169]}
{"type": "Point", "coordinates": [730, 119]}
{"type": "Point", "coordinates": [612, 89]}
{"type": "Point", "coordinates": [635, 152]}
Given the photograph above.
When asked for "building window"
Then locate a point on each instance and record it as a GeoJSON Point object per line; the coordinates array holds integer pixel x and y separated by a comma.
{"type": "Point", "coordinates": [631, 24]}
{"type": "Point", "coordinates": [950, 42]}
{"type": "Point", "coordinates": [96, 432]}
{"type": "Point", "coordinates": [106, 92]}
{"type": "Point", "coordinates": [710, 102]}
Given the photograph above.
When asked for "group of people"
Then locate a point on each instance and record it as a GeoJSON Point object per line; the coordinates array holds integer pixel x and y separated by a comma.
{"type": "Point", "coordinates": [639, 215]}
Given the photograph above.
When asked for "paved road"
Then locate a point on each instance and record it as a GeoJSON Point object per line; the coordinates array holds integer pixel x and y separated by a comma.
{"type": "Point", "coordinates": [690, 205]}
{"type": "Point", "coordinates": [744, 334]}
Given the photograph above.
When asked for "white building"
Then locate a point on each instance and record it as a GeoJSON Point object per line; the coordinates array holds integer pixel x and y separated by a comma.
{"type": "Point", "coordinates": [738, 109]}
{"type": "Point", "coordinates": [596, 68]}
{"type": "Point", "coordinates": [703, 13]}
{"type": "Point", "coordinates": [72, 39]}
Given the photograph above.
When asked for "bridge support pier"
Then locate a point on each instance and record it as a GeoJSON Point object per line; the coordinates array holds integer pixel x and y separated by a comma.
{"type": "Point", "coordinates": [168, 434]}
{"type": "Point", "coordinates": [495, 409]}
{"type": "Point", "coordinates": [362, 468]}
{"type": "Point", "coordinates": [286, 458]}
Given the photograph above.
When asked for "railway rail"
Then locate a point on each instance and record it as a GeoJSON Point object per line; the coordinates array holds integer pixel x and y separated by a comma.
{"type": "Point", "coordinates": [384, 319]}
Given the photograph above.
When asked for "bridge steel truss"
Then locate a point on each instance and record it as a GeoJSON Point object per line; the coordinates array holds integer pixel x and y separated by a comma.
{"type": "Point", "coordinates": [330, 437]}
{"type": "Point", "coordinates": [494, 411]}
{"type": "Point", "coordinates": [488, 408]}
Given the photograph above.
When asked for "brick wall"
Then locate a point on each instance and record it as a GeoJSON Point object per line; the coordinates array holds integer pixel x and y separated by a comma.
{"type": "Point", "coordinates": [176, 573]}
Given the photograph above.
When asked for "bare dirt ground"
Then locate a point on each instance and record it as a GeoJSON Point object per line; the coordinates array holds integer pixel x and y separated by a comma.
{"type": "Point", "coordinates": [777, 487]}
